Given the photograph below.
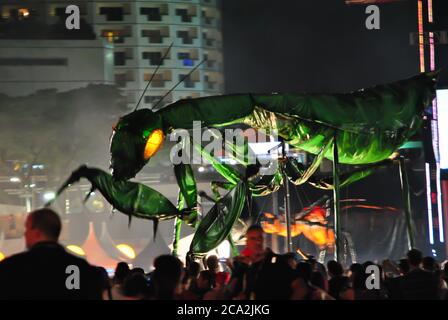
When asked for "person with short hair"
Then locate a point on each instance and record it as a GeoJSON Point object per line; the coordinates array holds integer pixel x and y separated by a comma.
{"type": "Point", "coordinates": [253, 268]}
{"type": "Point", "coordinates": [419, 284]}
{"type": "Point", "coordinates": [220, 291]}
{"type": "Point", "coordinates": [302, 286]}
{"type": "Point", "coordinates": [166, 278]}
{"type": "Point", "coordinates": [212, 263]}
{"type": "Point", "coordinates": [204, 283]}
{"type": "Point", "coordinates": [338, 282]}
{"type": "Point", "coordinates": [46, 271]}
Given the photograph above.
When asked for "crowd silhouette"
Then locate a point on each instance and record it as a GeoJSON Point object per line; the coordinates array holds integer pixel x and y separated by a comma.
{"type": "Point", "coordinates": [257, 273]}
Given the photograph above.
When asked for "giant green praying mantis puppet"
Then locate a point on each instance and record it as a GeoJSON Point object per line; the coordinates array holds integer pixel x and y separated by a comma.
{"type": "Point", "coordinates": [364, 127]}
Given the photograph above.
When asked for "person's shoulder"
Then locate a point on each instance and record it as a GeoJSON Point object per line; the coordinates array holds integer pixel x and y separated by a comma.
{"type": "Point", "coordinates": [81, 263]}
{"type": "Point", "coordinates": [417, 275]}
{"type": "Point", "coordinates": [14, 259]}
{"type": "Point", "coordinates": [421, 273]}
{"type": "Point", "coordinates": [79, 260]}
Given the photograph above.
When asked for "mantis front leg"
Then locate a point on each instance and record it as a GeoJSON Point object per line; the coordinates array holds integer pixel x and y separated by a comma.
{"type": "Point", "coordinates": [186, 202]}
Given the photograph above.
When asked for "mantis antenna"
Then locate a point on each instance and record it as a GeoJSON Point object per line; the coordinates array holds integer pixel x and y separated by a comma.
{"type": "Point", "coordinates": [153, 74]}
{"type": "Point", "coordinates": [186, 76]}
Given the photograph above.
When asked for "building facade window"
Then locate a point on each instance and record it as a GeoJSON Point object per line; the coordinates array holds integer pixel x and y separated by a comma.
{"type": "Point", "coordinates": [157, 82]}
{"type": "Point", "coordinates": [112, 13]}
{"type": "Point", "coordinates": [154, 36]}
{"type": "Point", "coordinates": [188, 83]}
{"type": "Point", "coordinates": [116, 36]}
{"type": "Point", "coordinates": [186, 36]}
{"type": "Point", "coordinates": [119, 58]}
{"type": "Point", "coordinates": [155, 58]}
{"type": "Point", "coordinates": [152, 14]}
{"type": "Point", "coordinates": [183, 13]}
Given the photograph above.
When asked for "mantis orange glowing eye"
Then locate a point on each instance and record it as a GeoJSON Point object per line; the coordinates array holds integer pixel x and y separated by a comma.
{"type": "Point", "coordinates": [153, 144]}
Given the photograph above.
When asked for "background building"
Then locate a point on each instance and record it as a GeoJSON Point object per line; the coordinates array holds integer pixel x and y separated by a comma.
{"type": "Point", "coordinates": [141, 32]}
{"type": "Point", "coordinates": [27, 66]}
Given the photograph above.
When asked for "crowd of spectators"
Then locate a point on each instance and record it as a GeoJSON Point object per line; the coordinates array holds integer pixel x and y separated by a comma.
{"type": "Point", "coordinates": [256, 274]}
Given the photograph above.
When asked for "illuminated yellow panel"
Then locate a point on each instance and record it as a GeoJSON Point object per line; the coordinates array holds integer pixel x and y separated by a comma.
{"type": "Point", "coordinates": [430, 12]}
{"type": "Point", "coordinates": [110, 36]}
{"type": "Point", "coordinates": [76, 249]}
{"type": "Point", "coordinates": [420, 36]}
{"type": "Point", "coordinates": [126, 250]}
{"type": "Point", "coordinates": [153, 144]}
{"type": "Point", "coordinates": [2, 256]}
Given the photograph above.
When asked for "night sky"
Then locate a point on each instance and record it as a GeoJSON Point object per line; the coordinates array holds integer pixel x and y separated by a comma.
{"type": "Point", "coordinates": [315, 46]}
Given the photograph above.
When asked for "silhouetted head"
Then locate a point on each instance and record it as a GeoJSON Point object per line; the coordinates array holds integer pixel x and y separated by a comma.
{"type": "Point", "coordinates": [166, 276]}
{"type": "Point", "coordinates": [205, 279]}
{"type": "Point", "coordinates": [135, 285]}
{"type": "Point", "coordinates": [334, 268]}
{"type": "Point", "coordinates": [403, 265]}
{"type": "Point", "coordinates": [414, 257]}
{"type": "Point", "coordinates": [255, 239]}
{"type": "Point", "coordinates": [304, 271]}
{"type": "Point", "coordinates": [121, 271]}
{"type": "Point", "coordinates": [42, 225]}
{"type": "Point", "coordinates": [135, 139]}
{"type": "Point", "coordinates": [213, 263]}
{"type": "Point", "coordinates": [430, 264]}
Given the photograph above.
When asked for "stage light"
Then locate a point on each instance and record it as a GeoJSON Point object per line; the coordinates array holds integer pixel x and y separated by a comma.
{"type": "Point", "coordinates": [15, 179]}
{"type": "Point", "coordinates": [223, 250]}
{"type": "Point", "coordinates": [24, 12]}
{"type": "Point", "coordinates": [439, 204]}
{"type": "Point", "coordinates": [49, 195]}
{"type": "Point", "coordinates": [201, 169]}
{"type": "Point", "coordinates": [430, 12]}
{"type": "Point", "coordinates": [76, 249]}
{"type": "Point", "coordinates": [442, 118]}
{"type": "Point", "coordinates": [429, 204]}
{"type": "Point", "coordinates": [126, 250]}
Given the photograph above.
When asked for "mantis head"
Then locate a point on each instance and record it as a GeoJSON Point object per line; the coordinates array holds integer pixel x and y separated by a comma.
{"type": "Point", "coordinates": [135, 139]}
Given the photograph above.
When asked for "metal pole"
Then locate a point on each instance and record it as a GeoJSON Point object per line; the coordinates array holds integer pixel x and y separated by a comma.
{"type": "Point", "coordinates": [177, 229]}
{"type": "Point", "coordinates": [406, 201]}
{"type": "Point", "coordinates": [287, 203]}
{"type": "Point", "coordinates": [288, 215]}
{"type": "Point", "coordinates": [177, 225]}
{"type": "Point", "coordinates": [274, 237]}
{"type": "Point", "coordinates": [337, 214]}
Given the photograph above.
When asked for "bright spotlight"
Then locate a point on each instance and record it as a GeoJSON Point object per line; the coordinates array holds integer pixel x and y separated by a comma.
{"type": "Point", "coordinates": [201, 169]}
{"type": "Point", "coordinates": [76, 249]}
{"type": "Point", "coordinates": [24, 12]}
{"type": "Point", "coordinates": [15, 179]}
{"type": "Point", "coordinates": [224, 250]}
{"type": "Point", "coordinates": [49, 195]}
{"type": "Point", "coordinates": [126, 250]}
